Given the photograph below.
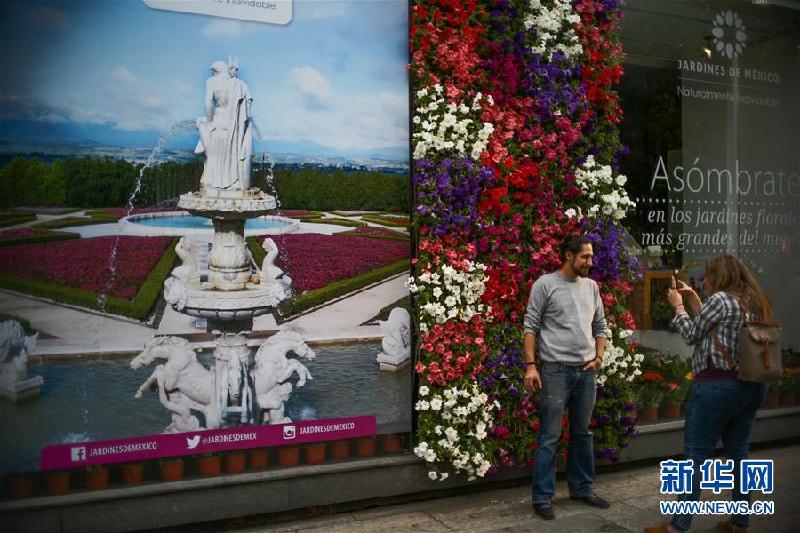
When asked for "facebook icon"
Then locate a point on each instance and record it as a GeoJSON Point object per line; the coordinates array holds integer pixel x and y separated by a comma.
{"type": "Point", "coordinates": [676, 476]}
{"type": "Point", "coordinates": [78, 454]}
{"type": "Point", "coordinates": [756, 475]}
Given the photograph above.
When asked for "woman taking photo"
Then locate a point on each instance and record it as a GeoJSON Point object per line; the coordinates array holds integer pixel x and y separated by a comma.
{"type": "Point", "coordinates": [719, 405]}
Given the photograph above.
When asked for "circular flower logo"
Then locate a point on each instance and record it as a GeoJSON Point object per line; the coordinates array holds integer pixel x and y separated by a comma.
{"type": "Point", "coordinates": [728, 32]}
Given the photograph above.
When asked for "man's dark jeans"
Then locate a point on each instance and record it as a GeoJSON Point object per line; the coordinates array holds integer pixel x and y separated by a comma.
{"type": "Point", "coordinates": [575, 389]}
{"type": "Point", "coordinates": [719, 409]}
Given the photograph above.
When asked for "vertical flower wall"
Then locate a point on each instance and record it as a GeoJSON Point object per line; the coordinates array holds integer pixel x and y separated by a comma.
{"type": "Point", "coordinates": [515, 145]}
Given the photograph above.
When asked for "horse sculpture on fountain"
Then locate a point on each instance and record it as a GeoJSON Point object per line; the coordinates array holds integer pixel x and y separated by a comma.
{"type": "Point", "coordinates": [273, 369]}
{"type": "Point", "coordinates": [183, 383]}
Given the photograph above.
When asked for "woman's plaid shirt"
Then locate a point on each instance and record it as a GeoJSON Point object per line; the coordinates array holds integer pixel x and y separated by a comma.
{"type": "Point", "coordinates": [720, 311]}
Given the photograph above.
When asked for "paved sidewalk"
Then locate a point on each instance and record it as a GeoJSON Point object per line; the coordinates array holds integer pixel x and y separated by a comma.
{"type": "Point", "coordinates": [634, 493]}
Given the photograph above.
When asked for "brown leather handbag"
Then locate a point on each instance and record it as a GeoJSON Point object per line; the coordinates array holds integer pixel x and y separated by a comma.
{"type": "Point", "coordinates": [759, 350]}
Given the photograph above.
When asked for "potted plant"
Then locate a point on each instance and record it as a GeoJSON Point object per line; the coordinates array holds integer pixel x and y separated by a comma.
{"type": "Point", "coordinates": [209, 465]}
{"type": "Point", "coordinates": [365, 447]}
{"type": "Point", "coordinates": [289, 456]}
{"type": "Point", "coordinates": [773, 396]}
{"type": "Point", "coordinates": [677, 374]}
{"type": "Point", "coordinates": [340, 449]}
{"type": "Point", "coordinates": [258, 458]}
{"type": "Point", "coordinates": [57, 482]}
{"type": "Point", "coordinates": [132, 473]}
{"type": "Point", "coordinates": [649, 396]}
{"type": "Point", "coordinates": [235, 462]}
{"type": "Point", "coordinates": [96, 477]}
{"type": "Point", "coordinates": [391, 443]}
{"type": "Point", "coordinates": [171, 469]}
{"type": "Point", "coordinates": [315, 453]}
{"type": "Point", "coordinates": [22, 484]}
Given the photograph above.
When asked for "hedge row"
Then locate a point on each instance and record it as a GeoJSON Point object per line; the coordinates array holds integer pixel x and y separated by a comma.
{"type": "Point", "coordinates": [392, 237]}
{"type": "Point", "coordinates": [310, 299]}
{"type": "Point", "coordinates": [46, 237]}
{"type": "Point", "coordinates": [335, 221]}
{"type": "Point", "coordinates": [68, 222]}
{"type": "Point", "coordinates": [383, 314]}
{"type": "Point", "coordinates": [12, 219]}
{"type": "Point", "coordinates": [386, 221]}
{"type": "Point", "coordinates": [26, 325]}
{"type": "Point", "coordinates": [138, 308]}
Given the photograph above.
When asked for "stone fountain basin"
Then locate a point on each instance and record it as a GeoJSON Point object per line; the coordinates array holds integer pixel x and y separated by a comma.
{"type": "Point", "coordinates": [229, 305]}
{"type": "Point", "coordinates": [133, 224]}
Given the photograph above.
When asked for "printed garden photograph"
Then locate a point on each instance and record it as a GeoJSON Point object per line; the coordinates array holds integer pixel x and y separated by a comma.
{"type": "Point", "coordinates": [205, 236]}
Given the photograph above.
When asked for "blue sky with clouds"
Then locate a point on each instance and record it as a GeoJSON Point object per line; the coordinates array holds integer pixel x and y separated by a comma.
{"type": "Point", "coordinates": [335, 75]}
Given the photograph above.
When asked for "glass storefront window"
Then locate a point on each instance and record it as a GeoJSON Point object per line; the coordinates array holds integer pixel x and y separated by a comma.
{"type": "Point", "coordinates": [711, 96]}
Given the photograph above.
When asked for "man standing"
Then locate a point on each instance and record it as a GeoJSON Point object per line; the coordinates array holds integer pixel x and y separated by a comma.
{"type": "Point", "coordinates": [566, 323]}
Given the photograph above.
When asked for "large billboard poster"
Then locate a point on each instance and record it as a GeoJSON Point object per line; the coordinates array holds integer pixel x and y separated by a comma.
{"type": "Point", "coordinates": [204, 239]}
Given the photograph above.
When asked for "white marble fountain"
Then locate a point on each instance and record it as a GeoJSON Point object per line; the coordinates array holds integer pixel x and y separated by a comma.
{"type": "Point", "coordinates": [237, 389]}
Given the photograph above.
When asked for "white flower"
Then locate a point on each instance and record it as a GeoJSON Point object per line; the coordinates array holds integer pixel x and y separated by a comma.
{"type": "Point", "coordinates": [432, 475]}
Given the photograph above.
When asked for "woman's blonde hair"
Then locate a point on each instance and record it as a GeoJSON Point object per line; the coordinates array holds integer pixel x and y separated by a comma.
{"type": "Point", "coordinates": [728, 273]}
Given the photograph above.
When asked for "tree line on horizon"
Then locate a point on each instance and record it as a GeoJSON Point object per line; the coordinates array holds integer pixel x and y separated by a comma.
{"type": "Point", "coordinates": [92, 182]}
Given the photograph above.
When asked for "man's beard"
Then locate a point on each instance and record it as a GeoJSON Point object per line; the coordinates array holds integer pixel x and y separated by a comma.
{"type": "Point", "coordinates": [582, 272]}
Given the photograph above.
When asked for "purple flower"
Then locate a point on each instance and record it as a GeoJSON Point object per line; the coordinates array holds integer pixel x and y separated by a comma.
{"type": "Point", "coordinates": [611, 259]}
{"type": "Point", "coordinates": [448, 193]}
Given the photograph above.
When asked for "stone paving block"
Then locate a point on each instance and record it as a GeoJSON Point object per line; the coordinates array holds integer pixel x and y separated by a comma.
{"type": "Point", "coordinates": [581, 523]}
{"type": "Point", "coordinates": [421, 522]}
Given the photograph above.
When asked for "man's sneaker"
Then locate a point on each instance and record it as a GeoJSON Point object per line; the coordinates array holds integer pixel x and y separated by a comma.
{"type": "Point", "coordinates": [593, 499]}
{"type": "Point", "coordinates": [545, 510]}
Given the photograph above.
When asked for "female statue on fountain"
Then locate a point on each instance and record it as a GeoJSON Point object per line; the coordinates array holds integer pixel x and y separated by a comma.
{"type": "Point", "coordinates": [226, 132]}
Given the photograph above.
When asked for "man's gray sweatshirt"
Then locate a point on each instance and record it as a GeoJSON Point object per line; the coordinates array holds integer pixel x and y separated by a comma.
{"type": "Point", "coordinates": [566, 316]}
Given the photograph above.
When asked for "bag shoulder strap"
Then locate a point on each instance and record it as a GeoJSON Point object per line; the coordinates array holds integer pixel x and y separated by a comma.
{"type": "Point", "coordinates": [726, 354]}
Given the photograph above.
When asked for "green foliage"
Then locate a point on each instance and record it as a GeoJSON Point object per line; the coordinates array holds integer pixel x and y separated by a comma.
{"type": "Point", "coordinates": [650, 394]}
{"type": "Point", "coordinates": [661, 312]}
{"type": "Point", "coordinates": [386, 221]}
{"type": "Point", "coordinates": [106, 182]}
{"type": "Point", "coordinates": [138, 308]}
{"type": "Point", "coordinates": [168, 180]}
{"type": "Point", "coordinates": [256, 250]}
{"type": "Point", "coordinates": [334, 221]}
{"type": "Point", "coordinates": [67, 222]}
{"type": "Point", "coordinates": [45, 236]}
{"type": "Point", "coordinates": [26, 325]}
{"type": "Point", "coordinates": [309, 299]}
{"type": "Point", "coordinates": [319, 189]}
{"type": "Point", "coordinates": [383, 314]}
{"type": "Point", "coordinates": [394, 236]}
{"type": "Point", "coordinates": [14, 218]}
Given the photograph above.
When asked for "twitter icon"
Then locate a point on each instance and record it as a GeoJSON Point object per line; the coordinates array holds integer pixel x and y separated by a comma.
{"type": "Point", "coordinates": [192, 442]}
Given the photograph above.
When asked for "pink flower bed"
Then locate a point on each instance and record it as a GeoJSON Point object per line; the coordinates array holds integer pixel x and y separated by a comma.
{"type": "Point", "coordinates": [314, 261]}
{"type": "Point", "coordinates": [84, 263]}
{"type": "Point", "coordinates": [373, 230]}
{"type": "Point", "coordinates": [21, 233]}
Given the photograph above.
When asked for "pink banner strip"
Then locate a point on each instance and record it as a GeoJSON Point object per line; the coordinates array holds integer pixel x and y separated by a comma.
{"type": "Point", "coordinates": [215, 440]}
